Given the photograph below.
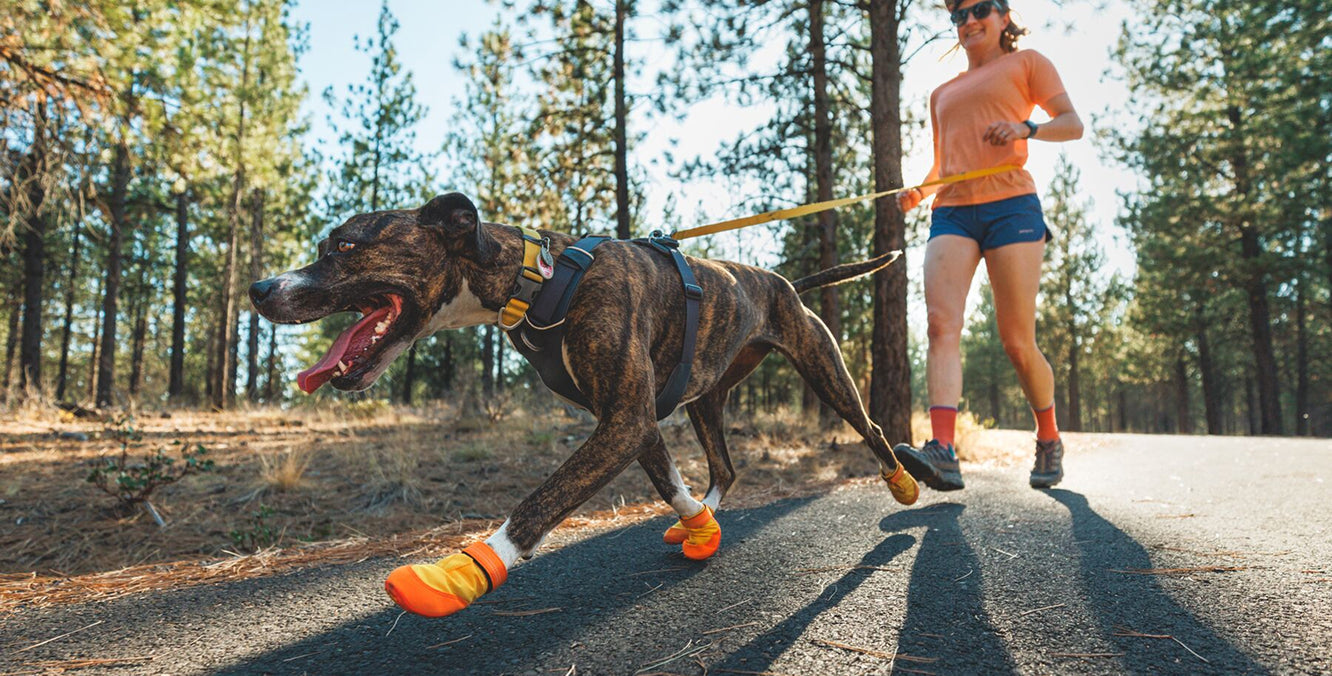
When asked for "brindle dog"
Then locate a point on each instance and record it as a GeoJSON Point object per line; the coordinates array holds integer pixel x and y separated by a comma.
{"type": "Point", "coordinates": [414, 272]}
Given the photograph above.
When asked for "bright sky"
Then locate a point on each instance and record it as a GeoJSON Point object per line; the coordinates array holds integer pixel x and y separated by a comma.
{"type": "Point", "coordinates": [1077, 38]}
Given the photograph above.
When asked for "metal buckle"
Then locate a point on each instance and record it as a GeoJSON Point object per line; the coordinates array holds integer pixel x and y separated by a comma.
{"type": "Point", "coordinates": [693, 291]}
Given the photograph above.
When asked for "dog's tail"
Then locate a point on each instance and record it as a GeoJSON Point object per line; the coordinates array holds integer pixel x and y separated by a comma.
{"type": "Point", "coordinates": [844, 272]}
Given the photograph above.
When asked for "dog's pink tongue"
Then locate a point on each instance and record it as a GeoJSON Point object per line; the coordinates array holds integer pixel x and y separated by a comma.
{"type": "Point", "coordinates": [314, 377]}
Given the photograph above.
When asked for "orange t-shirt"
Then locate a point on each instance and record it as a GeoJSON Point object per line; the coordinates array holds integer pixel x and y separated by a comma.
{"type": "Point", "coordinates": [1005, 89]}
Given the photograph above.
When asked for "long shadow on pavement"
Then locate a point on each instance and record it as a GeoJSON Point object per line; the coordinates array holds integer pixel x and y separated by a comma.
{"type": "Point", "coordinates": [591, 581]}
{"type": "Point", "coordinates": [946, 618]}
{"type": "Point", "coordinates": [758, 655]}
{"type": "Point", "coordinates": [1137, 603]}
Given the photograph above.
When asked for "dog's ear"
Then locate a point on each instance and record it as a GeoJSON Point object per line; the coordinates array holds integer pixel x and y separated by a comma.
{"type": "Point", "coordinates": [456, 217]}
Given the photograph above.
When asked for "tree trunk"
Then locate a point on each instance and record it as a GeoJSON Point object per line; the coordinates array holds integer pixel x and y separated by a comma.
{"type": "Point", "coordinates": [12, 339]}
{"type": "Point", "coordinates": [270, 382]}
{"type": "Point", "coordinates": [1255, 286]}
{"type": "Point", "coordinates": [63, 373]}
{"type": "Point", "coordinates": [499, 364]}
{"type": "Point", "coordinates": [1251, 407]}
{"type": "Point", "coordinates": [1211, 401]}
{"type": "Point", "coordinates": [890, 377]}
{"type": "Point", "coordinates": [1123, 410]}
{"type": "Point", "coordinates": [176, 382]}
{"type": "Point", "coordinates": [34, 261]}
{"type": "Point", "coordinates": [409, 376]}
{"type": "Point", "coordinates": [106, 363]}
{"type": "Point", "coordinates": [96, 343]}
{"type": "Point", "coordinates": [256, 273]}
{"type": "Point", "coordinates": [823, 176]}
{"type": "Point", "coordinates": [622, 229]}
{"type": "Point", "coordinates": [1184, 420]}
{"type": "Point", "coordinates": [210, 365]}
{"type": "Point", "coordinates": [1073, 410]}
{"type": "Point", "coordinates": [224, 387]}
{"type": "Point", "coordinates": [136, 359]}
{"type": "Point", "coordinates": [1301, 358]}
{"type": "Point", "coordinates": [488, 361]}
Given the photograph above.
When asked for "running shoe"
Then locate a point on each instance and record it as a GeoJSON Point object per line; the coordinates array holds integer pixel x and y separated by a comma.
{"type": "Point", "coordinates": [935, 464]}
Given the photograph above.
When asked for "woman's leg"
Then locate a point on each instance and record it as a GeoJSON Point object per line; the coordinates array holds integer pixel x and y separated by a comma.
{"type": "Point", "coordinates": [950, 263]}
{"type": "Point", "coordinates": [1015, 277]}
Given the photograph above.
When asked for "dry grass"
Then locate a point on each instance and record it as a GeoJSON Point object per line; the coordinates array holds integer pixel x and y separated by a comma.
{"type": "Point", "coordinates": [345, 470]}
{"type": "Point", "coordinates": [284, 472]}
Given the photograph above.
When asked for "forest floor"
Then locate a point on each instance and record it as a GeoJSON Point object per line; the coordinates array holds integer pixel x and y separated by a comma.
{"type": "Point", "coordinates": [343, 481]}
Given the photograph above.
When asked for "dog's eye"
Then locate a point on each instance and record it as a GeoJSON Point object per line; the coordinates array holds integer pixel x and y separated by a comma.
{"type": "Point", "coordinates": [345, 246]}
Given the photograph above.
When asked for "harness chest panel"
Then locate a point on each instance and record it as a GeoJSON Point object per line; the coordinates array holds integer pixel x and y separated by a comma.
{"type": "Point", "coordinates": [540, 336]}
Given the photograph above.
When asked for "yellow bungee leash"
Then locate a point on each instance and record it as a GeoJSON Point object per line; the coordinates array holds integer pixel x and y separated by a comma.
{"type": "Point", "coordinates": [794, 212]}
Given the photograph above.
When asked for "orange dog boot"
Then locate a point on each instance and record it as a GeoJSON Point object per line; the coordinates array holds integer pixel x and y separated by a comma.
{"type": "Point", "coordinates": [675, 534]}
{"type": "Point", "coordinates": [902, 485]}
{"type": "Point", "coordinates": [704, 535]}
{"type": "Point", "coordinates": [449, 585]}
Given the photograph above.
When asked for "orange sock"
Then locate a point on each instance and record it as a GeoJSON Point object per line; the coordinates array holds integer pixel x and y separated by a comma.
{"type": "Point", "coordinates": [1046, 429]}
{"type": "Point", "coordinates": [943, 422]}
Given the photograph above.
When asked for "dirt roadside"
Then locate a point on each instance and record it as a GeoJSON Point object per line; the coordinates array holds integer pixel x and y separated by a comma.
{"type": "Point", "coordinates": [294, 489]}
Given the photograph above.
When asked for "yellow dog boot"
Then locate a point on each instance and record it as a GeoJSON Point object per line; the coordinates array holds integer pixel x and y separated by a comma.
{"type": "Point", "coordinates": [449, 585]}
{"type": "Point", "coordinates": [902, 486]}
{"type": "Point", "coordinates": [702, 535]}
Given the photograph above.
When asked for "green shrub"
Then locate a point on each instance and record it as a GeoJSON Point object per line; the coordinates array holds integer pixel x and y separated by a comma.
{"type": "Point", "coordinates": [131, 482]}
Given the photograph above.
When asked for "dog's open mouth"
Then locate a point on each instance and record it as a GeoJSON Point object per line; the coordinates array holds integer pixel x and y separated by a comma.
{"type": "Point", "coordinates": [355, 350]}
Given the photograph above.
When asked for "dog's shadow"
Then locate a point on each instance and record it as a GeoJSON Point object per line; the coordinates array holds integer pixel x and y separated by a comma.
{"type": "Point", "coordinates": [591, 582]}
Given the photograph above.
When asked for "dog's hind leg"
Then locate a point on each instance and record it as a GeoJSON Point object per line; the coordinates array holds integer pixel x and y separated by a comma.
{"type": "Point", "coordinates": [807, 343]}
{"type": "Point", "coordinates": [697, 531]}
{"type": "Point", "coordinates": [708, 414]}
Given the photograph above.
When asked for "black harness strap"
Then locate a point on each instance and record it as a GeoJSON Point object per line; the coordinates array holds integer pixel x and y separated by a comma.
{"type": "Point", "coordinates": [693, 293]}
{"type": "Point", "coordinates": [540, 337]}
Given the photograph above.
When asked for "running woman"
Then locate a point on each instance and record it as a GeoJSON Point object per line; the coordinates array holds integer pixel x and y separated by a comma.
{"type": "Point", "coordinates": [981, 119]}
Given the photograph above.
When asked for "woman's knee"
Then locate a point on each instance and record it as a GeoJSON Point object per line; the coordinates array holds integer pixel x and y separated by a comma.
{"type": "Point", "coordinates": [1022, 351]}
{"type": "Point", "coordinates": [944, 327]}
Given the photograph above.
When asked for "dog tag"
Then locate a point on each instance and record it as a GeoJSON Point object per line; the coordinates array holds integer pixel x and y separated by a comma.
{"type": "Point", "coordinates": [545, 264]}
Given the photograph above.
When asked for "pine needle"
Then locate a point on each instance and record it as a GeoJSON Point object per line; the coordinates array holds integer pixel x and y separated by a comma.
{"type": "Point", "coordinates": [1125, 631]}
{"type": "Point", "coordinates": [1179, 571]}
{"type": "Point", "coordinates": [525, 613]}
{"type": "Point", "coordinates": [737, 626]}
{"type": "Point", "coordinates": [57, 638]}
{"type": "Point", "coordinates": [876, 653]}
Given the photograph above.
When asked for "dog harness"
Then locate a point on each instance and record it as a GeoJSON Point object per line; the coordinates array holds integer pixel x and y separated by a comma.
{"type": "Point", "coordinates": [533, 319]}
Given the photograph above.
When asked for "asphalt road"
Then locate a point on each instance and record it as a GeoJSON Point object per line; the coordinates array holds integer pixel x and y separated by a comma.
{"type": "Point", "coordinates": [994, 579]}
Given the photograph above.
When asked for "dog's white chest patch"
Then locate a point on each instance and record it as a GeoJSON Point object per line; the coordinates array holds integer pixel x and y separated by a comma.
{"type": "Point", "coordinates": [464, 310]}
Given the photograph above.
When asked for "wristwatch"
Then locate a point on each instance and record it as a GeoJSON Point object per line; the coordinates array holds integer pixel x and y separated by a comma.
{"type": "Point", "coordinates": [1032, 126]}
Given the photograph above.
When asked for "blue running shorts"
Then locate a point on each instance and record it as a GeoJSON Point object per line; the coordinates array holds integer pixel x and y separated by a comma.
{"type": "Point", "coordinates": [994, 224]}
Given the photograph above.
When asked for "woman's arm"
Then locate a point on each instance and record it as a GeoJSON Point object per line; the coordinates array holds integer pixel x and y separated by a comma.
{"type": "Point", "coordinates": [1064, 125]}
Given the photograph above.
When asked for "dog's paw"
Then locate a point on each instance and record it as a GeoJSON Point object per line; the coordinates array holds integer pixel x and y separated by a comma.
{"type": "Point", "coordinates": [903, 486]}
{"type": "Point", "coordinates": [675, 534]}
{"type": "Point", "coordinates": [703, 535]}
{"type": "Point", "coordinates": [449, 585]}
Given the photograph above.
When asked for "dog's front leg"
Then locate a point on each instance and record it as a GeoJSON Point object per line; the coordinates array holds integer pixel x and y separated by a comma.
{"type": "Point", "coordinates": [451, 584]}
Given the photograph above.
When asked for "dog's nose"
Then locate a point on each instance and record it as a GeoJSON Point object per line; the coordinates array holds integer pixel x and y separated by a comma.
{"type": "Point", "coordinates": [261, 290]}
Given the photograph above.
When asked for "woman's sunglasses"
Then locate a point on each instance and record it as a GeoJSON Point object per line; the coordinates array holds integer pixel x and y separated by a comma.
{"type": "Point", "coordinates": [979, 10]}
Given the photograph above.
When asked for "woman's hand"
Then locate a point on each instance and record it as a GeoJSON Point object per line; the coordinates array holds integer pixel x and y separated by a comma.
{"type": "Point", "coordinates": [1000, 133]}
{"type": "Point", "coordinates": [909, 199]}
